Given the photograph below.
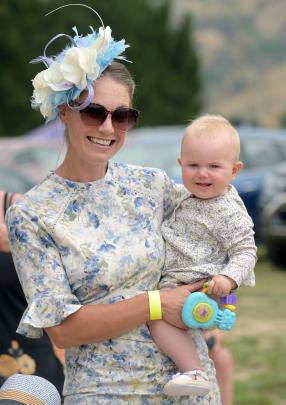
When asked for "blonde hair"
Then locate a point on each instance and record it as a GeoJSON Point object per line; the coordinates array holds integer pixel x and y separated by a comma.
{"type": "Point", "coordinates": [213, 126]}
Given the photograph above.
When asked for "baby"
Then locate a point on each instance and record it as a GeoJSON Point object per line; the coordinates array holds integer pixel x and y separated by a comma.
{"type": "Point", "coordinates": [209, 236]}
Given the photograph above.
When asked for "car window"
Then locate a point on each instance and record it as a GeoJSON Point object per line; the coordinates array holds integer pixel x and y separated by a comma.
{"type": "Point", "coordinates": [162, 152]}
{"type": "Point", "coordinates": [261, 153]}
{"type": "Point", "coordinates": [41, 155]}
{"type": "Point", "coordinates": [163, 156]}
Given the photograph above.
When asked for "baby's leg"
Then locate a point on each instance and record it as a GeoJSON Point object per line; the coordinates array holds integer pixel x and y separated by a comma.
{"type": "Point", "coordinates": [177, 344]}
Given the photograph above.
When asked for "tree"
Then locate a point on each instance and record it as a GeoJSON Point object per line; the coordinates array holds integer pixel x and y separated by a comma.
{"type": "Point", "coordinates": [165, 65]}
{"type": "Point", "coordinates": [283, 120]}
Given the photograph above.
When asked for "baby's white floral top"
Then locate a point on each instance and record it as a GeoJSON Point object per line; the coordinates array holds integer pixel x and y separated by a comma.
{"type": "Point", "coordinates": [209, 237]}
{"type": "Point", "coordinates": [76, 244]}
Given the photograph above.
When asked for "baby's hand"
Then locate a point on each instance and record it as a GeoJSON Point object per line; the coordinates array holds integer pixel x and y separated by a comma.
{"type": "Point", "coordinates": [221, 285]}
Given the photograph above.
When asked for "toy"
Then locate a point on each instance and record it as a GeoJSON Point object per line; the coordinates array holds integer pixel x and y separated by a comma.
{"type": "Point", "coordinates": [200, 311]}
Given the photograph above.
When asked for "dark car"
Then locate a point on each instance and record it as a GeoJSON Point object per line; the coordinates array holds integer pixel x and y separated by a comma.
{"type": "Point", "coordinates": [261, 151]}
{"type": "Point", "coordinates": [273, 204]}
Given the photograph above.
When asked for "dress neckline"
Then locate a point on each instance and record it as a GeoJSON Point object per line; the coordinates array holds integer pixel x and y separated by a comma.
{"type": "Point", "coordinates": [82, 185]}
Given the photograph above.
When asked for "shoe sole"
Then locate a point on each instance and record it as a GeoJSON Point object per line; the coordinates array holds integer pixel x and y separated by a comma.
{"type": "Point", "coordinates": [188, 390]}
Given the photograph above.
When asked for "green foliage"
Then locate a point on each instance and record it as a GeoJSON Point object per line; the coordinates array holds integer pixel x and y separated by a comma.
{"type": "Point", "coordinates": [283, 120]}
{"type": "Point", "coordinates": [165, 65]}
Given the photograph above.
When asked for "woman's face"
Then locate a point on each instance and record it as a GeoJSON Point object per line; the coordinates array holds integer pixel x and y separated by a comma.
{"type": "Point", "coordinates": [91, 146]}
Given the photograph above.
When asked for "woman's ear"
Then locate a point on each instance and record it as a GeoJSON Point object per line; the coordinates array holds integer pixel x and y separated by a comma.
{"type": "Point", "coordinates": [62, 109]}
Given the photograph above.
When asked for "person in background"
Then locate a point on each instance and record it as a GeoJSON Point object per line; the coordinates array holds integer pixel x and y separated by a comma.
{"type": "Point", "coordinates": [19, 354]}
{"type": "Point", "coordinates": [223, 362]}
{"type": "Point", "coordinates": [87, 242]}
{"type": "Point", "coordinates": [209, 236]}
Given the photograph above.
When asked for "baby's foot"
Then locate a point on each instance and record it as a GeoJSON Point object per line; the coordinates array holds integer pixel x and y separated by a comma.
{"type": "Point", "coordinates": [189, 383]}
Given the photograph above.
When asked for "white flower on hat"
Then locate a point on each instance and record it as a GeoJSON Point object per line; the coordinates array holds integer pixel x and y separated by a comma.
{"type": "Point", "coordinates": [46, 108]}
{"type": "Point", "coordinates": [79, 63]}
{"type": "Point", "coordinates": [42, 92]}
{"type": "Point", "coordinates": [55, 79]}
{"type": "Point", "coordinates": [40, 85]}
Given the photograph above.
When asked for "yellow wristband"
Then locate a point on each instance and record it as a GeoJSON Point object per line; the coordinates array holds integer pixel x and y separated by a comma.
{"type": "Point", "coordinates": [155, 305]}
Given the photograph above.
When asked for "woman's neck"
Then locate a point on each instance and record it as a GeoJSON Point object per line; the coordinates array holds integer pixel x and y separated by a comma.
{"type": "Point", "coordinates": [81, 173]}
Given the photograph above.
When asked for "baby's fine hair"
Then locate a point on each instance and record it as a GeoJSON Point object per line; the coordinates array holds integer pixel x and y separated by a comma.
{"type": "Point", "coordinates": [212, 126]}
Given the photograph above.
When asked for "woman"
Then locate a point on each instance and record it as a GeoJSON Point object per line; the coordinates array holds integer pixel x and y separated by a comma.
{"type": "Point", "coordinates": [87, 243]}
{"type": "Point", "coordinates": [19, 354]}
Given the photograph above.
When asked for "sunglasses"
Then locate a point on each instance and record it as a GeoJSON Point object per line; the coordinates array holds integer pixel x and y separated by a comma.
{"type": "Point", "coordinates": [122, 118]}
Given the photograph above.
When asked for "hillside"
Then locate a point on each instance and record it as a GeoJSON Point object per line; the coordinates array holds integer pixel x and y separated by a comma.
{"type": "Point", "coordinates": [243, 54]}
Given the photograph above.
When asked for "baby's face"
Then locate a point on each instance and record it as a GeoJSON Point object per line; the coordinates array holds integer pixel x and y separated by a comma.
{"type": "Point", "coordinates": [208, 165]}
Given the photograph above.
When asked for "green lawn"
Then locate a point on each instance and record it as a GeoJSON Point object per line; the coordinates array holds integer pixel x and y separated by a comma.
{"type": "Point", "coordinates": [258, 340]}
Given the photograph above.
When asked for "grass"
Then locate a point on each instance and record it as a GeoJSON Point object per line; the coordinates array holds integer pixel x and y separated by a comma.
{"type": "Point", "coordinates": [258, 339]}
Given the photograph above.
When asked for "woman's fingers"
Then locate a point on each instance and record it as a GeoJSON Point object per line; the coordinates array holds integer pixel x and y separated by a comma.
{"type": "Point", "coordinates": [195, 286]}
{"type": "Point", "coordinates": [172, 302]}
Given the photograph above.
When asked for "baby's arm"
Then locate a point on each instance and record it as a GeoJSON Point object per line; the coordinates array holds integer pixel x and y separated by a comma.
{"type": "Point", "coordinates": [234, 230]}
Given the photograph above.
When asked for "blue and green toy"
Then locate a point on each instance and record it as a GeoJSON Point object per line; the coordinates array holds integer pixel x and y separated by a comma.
{"type": "Point", "coordinates": [201, 311]}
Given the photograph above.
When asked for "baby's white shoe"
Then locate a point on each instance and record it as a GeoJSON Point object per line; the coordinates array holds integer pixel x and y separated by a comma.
{"type": "Point", "coordinates": [190, 383]}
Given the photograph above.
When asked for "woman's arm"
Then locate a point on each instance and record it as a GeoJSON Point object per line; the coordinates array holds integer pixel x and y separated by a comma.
{"type": "Point", "coordinates": [4, 241]}
{"type": "Point", "coordinates": [12, 197]}
{"type": "Point", "coordinates": [5, 247]}
{"type": "Point", "coordinates": [99, 322]}
{"type": "Point", "coordinates": [52, 303]}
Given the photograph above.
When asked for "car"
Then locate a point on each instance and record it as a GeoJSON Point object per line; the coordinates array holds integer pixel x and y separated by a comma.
{"type": "Point", "coordinates": [12, 180]}
{"type": "Point", "coordinates": [273, 205]}
{"type": "Point", "coordinates": [261, 151]}
{"type": "Point", "coordinates": [34, 154]}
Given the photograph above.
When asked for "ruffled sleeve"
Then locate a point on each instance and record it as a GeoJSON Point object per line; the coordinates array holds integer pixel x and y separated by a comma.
{"type": "Point", "coordinates": [42, 275]}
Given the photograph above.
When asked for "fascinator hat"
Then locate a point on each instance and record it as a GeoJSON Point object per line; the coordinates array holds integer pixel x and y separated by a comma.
{"type": "Point", "coordinates": [74, 69]}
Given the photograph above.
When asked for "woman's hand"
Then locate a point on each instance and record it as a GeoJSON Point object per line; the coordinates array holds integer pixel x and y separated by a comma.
{"type": "Point", "coordinates": [173, 300]}
{"type": "Point", "coordinates": [4, 241]}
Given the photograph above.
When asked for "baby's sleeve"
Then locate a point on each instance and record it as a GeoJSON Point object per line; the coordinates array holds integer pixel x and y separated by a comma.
{"type": "Point", "coordinates": [234, 229]}
{"type": "Point", "coordinates": [41, 272]}
{"type": "Point", "coordinates": [173, 192]}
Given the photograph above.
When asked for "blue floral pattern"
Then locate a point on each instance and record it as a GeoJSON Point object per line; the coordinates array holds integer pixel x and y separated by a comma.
{"type": "Point", "coordinates": [99, 242]}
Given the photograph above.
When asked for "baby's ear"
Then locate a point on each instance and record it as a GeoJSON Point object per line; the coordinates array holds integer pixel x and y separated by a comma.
{"type": "Point", "coordinates": [180, 161]}
{"type": "Point", "coordinates": [236, 168]}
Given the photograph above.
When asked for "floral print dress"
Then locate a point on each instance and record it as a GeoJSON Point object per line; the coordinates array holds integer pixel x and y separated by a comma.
{"type": "Point", "coordinates": [76, 244]}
